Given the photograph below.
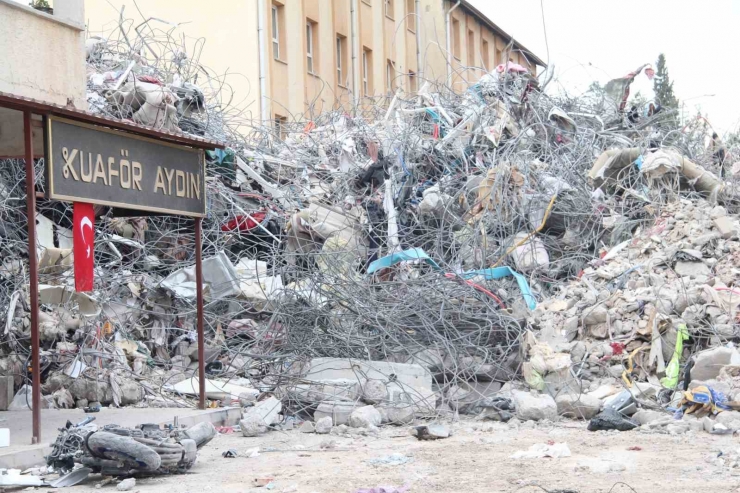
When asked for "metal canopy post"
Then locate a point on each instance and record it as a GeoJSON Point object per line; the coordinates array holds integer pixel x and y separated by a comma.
{"type": "Point", "coordinates": [199, 296]}
{"type": "Point", "coordinates": [34, 280]}
{"type": "Point", "coordinates": [49, 110]}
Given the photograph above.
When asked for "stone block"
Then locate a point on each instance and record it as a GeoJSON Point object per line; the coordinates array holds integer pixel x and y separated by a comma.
{"type": "Point", "coordinates": [726, 226]}
{"type": "Point", "coordinates": [534, 407]}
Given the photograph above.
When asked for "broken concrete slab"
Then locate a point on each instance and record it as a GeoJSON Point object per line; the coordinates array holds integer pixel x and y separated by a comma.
{"type": "Point", "coordinates": [267, 410]}
{"type": "Point", "coordinates": [535, 407]}
{"type": "Point", "coordinates": [396, 413]}
{"type": "Point", "coordinates": [405, 382]}
{"type": "Point", "coordinates": [646, 416]}
{"type": "Point", "coordinates": [708, 364]}
{"type": "Point", "coordinates": [365, 417]}
{"type": "Point", "coordinates": [692, 269]}
{"type": "Point", "coordinates": [214, 389]}
{"type": "Point", "coordinates": [338, 411]}
{"type": "Point", "coordinates": [581, 406]}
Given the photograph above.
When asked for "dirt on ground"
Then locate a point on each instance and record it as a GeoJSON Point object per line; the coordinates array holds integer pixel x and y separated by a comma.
{"type": "Point", "coordinates": [476, 459]}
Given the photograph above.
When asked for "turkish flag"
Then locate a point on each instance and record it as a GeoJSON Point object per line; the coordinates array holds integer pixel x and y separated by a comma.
{"type": "Point", "coordinates": [83, 234]}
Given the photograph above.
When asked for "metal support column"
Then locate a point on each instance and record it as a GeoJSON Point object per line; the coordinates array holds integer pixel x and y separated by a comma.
{"type": "Point", "coordinates": [199, 291]}
{"type": "Point", "coordinates": [34, 280]}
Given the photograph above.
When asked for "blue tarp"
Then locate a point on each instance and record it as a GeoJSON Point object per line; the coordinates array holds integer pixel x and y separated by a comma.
{"type": "Point", "coordinates": [411, 254]}
{"type": "Point", "coordinates": [500, 272]}
{"type": "Point", "coordinates": [493, 273]}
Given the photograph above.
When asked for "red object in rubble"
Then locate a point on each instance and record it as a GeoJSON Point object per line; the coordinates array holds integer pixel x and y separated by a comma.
{"type": "Point", "coordinates": [617, 347]}
{"type": "Point", "coordinates": [150, 79]}
{"type": "Point", "coordinates": [244, 223]}
{"type": "Point", "coordinates": [83, 237]}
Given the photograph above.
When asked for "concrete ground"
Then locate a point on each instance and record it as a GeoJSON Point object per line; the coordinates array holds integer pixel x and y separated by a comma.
{"type": "Point", "coordinates": [21, 453]}
{"type": "Point", "coordinates": [476, 459]}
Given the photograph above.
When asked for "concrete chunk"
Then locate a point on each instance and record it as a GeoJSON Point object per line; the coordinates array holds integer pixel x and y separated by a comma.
{"type": "Point", "coordinates": [408, 383]}
{"type": "Point", "coordinates": [307, 427]}
{"type": "Point", "coordinates": [595, 315]}
{"type": "Point", "coordinates": [534, 407]}
{"type": "Point", "coordinates": [726, 226]}
{"type": "Point", "coordinates": [581, 406]}
{"type": "Point", "coordinates": [338, 411]}
{"type": "Point", "coordinates": [708, 363]}
{"type": "Point", "coordinates": [692, 269]}
{"type": "Point", "coordinates": [324, 425]}
{"type": "Point", "coordinates": [365, 417]}
{"type": "Point", "coordinates": [268, 410]}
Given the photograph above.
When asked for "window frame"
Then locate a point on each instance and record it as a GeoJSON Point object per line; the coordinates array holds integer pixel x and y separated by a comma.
{"type": "Point", "coordinates": [280, 122]}
{"type": "Point", "coordinates": [310, 48]}
{"type": "Point", "coordinates": [471, 47]}
{"type": "Point", "coordinates": [485, 53]}
{"type": "Point", "coordinates": [388, 7]}
{"type": "Point", "coordinates": [411, 16]}
{"type": "Point", "coordinates": [275, 32]}
{"type": "Point", "coordinates": [389, 76]}
{"type": "Point", "coordinates": [365, 75]}
{"type": "Point", "coordinates": [339, 55]}
{"type": "Point", "coordinates": [413, 82]}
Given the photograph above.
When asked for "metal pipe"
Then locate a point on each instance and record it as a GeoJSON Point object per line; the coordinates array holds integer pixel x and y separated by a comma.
{"type": "Point", "coordinates": [199, 296]}
{"type": "Point", "coordinates": [261, 13]}
{"type": "Point", "coordinates": [448, 27]}
{"type": "Point", "coordinates": [353, 13]}
{"type": "Point", "coordinates": [34, 281]}
{"type": "Point", "coordinates": [417, 23]}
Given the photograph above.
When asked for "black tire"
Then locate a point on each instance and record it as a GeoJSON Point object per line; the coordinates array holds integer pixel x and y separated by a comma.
{"type": "Point", "coordinates": [110, 446]}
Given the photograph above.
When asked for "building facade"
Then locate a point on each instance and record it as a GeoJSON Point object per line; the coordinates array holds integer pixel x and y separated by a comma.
{"type": "Point", "coordinates": [43, 58]}
{"type": "Point", "coordinates": [293, 59]}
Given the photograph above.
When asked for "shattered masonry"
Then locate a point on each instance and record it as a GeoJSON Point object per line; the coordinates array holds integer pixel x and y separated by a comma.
{"type": "Point", "coordinates": [402, 259]}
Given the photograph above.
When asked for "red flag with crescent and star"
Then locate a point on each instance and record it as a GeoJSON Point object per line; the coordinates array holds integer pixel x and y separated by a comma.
{"type": "Point", "coordinates": [83, 234]}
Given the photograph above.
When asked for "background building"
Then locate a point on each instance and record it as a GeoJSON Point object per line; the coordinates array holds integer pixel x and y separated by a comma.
{"type": "Point", "coordinates": [293, 59]}
{"type": "Point", "coordinates": [42, 59]}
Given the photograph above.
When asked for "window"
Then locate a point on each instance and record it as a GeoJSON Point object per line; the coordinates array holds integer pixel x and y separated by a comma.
{"type": "Point", "coordinates": [277, 27]}
{"type": "Point", "coordinates": [412, 82]}
{"type": "Point", "coordinates": [275, 34]}
{"type": "Point", "coordinates": [456, 38]}
{"type": "Point", "coordinates": [499, 57]}
{"type": "Point", "coordinates": [388, 8]}
{"type": "Point", "coordinates": [389, 76]}
{"type": "Point", "coordinates": [342, 64]}
{"type": "Point", "coordinates": [280, 126]}
{"type": "Point", "coordinates": [367, 74]}
{"type": "Point", "coordinates": [484, 53]}
{"type": "Point", "coordinates": [411, 15]}
{"type": "Point", "coordinates": [310, 33]}
{"type": "Point", "coordinates": [471, 49]}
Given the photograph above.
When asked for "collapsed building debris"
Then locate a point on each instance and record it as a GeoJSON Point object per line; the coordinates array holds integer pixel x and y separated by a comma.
{"type": "Point", "coordinates": [406, 258]}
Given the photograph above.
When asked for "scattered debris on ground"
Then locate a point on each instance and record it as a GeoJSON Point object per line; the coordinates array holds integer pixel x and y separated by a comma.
{"type": "Point", "coordinates": [499, 253]}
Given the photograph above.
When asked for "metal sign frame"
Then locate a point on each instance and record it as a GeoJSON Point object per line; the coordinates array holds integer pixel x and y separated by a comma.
{"type": "Point", "coordinates": [50, 169]}
{"type": "Point", "coordinates": [30, 107]}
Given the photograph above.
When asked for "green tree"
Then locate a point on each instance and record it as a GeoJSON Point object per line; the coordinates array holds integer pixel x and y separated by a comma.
{"type": "Point", "coordinates": [663, 86]}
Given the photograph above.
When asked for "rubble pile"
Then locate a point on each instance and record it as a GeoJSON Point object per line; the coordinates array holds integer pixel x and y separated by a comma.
{"type": "Point", "coordinates": [400, 259]}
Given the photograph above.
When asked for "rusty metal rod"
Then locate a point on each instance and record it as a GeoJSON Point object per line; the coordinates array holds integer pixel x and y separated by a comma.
{"type": "Point", "coordinates": [199, 296]}
{"type": "Point", "coordinates": [34, 280]}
